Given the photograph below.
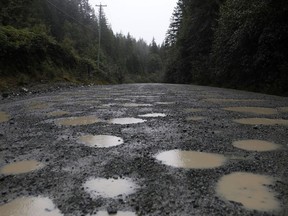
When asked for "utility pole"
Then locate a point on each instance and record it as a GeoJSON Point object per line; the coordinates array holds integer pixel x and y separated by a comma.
{"type": "Point", "coordinates": [100, 15]}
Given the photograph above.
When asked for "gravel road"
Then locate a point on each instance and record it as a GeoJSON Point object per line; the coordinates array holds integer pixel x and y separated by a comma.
{"type": "Point", "coordinates": [144, 149]}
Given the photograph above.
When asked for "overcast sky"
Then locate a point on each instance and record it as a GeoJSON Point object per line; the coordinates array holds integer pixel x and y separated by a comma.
{"type": "Point", "coordinates": [141, 18]}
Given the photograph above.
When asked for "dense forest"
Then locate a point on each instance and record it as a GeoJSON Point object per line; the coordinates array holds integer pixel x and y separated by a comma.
{"type": "Point", "coordinates": [59, 40]}
{"type": "Point", "coordinates": [228, 43]}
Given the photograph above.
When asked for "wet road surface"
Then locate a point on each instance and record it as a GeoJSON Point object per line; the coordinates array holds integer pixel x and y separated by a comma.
{"type": "Point", "coordinates": [144, 149]}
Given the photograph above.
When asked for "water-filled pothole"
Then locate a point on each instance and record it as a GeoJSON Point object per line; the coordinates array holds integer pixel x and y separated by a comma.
{"type": "Point", "coordinates": [136, 105]}
{"type": "Point", "coordinates": [4, 117]}
{"type": "Point", "coordinates": [254, 110]}
{"type": "Point", "coordinates": [57, 113]}
{"type": "Point", "coordinates": [191, 159]}
{"type": "Point", "coordinates": [124, 121]}
{"type": "Point", "coordinates": [101, 141]}
{"type": "Point", "coordinates": [119, 213]}
{"type": "Point", "coordinates": [256, 145]}
{"type": "Point", "coordinates": [262, 121]}
{"type": "Point", "coordinates": [21, 167]}
{"type": "Point", "coordinates": [152, 115]}
{"type": "Point", "coordinates": [249, 190]}
{"type": "Point", "coordinates": [109, 188]}
{"type": "Point", "coordinates": [30, 206]}
{"type": "Point", "coordinates": [74, 121]}
{"type": "Point", "coordinates": [195, 118]}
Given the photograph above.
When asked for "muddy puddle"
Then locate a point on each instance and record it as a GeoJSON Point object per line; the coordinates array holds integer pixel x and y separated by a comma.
{"type": "Point", "coordinates": [283, 109]}
{"type": "Point", "coordinates": [101, 141]}
{"type": "Point", "coordinates": [191, 110]}
{"type": "Point", "coordinates": [124, 121]}
{"type": "Point", "coordinates": [254, 110]}
{"type": "Point", "coordinates": [165, 103]}
{"type": "Point", "coordinates": [256, 145]}
{"type": "Point", "coordinates": [38, 106]}
{"type": "Point", "coordinates": [248, 189]}
{"type": "Point", "coordinates": [262, 121]}
{"type": "Point", "coordinates": [21, 167]}
{"type": "Point", "coordinates": [75, 121]}
{"type": "Point", "coordinates": [191, 159]}
{"type": "Point", "coordinates": [136, 105]}
{"type": "Point", "coordinates": [153, 115]}
{"type": "Point", "coordinates": [119, 213]}
{"type": "Point", "coordinates": [195, 118]}
{"type": "Point", "coordinates": [214, 100]}
{"type": "Point", "coordinates": [57, 113]}
{"type": "Point", "coordinates": [4, 117]}
{"type": "Point", "coordinates": [30, 206]}
{"type": "Point", "coordinates": [109, 188]}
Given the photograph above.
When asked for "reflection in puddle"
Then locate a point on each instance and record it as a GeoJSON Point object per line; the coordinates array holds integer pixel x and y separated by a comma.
{"type": "Point", "coordinates": [262, 121]}
{"type": "Point", "coordinates": [195, 118]}
{"type": "Point", "coordinates": [58, 113]}
{"type": "Point", "coordinates": [109, 188]}
{"type": "Point", "coordinates": [119, 213]}
{"type": "Point", "coordinates": [283, 109]}
{"type": "Point", "coordinates": [153, 115]}
{"type": "Point", "coordinates": [191, 159]}
{"type": "Point", "coordinates": [30, 206]}
{"type": "Point", "coordinates": [193, 110]}
{"type": "Point", "coordinates": [231, 100]}
{"type": "Point", "coordinates": [255, 110]}
{"type": "Point", "coordinates": [248, 189]}
{"type": "Point", "coordinates": [101, 141]}
{"type": "Point", "coordinates": [124, 121]}
{"type": "Point", "coordinates": [21, 167]}
{"type": "Point", "coordinates": [135, 105]}
{"type": "Point", "coordinates": [4, 117]}
{"type": "Point", "coordinates": [256, 145]}
{"type": "Point", "coordinates": [74, 121]}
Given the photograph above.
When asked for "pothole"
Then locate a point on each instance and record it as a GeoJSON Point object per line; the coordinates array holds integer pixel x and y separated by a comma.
{"type": "Point", "coordinates": [4, 117]}
{"type": "Point", "coordinates": [262, 121]}
{"type": "Point", "coordinates": [124, 121]}
{"type": "Point", "coordinates": [195, 118]}
{"type": "Point", "coordinates": [30, 206]}
{"type": "Point", "coordinates": [21, 167]}
{"type": "Point", "coordinates": [74, 121]}
{"type": "Point", "coordinates": [254, 110]}
{"type": "Point", "coordinates": [256, 145]}
{"type": "Point", "coordinates": [101, 141]}
{"type": "Point", "coordinates": [119, 213]}
{"type": "Point", "coordinates": [57, 113]}
{"type": "Point", "coordinates": [248, 189]}
{"type": "Point", "coordinates": [136, 105]}
{"type": "Point", "coordinates": [153, 115]}
{"type": "Point", "coordinates": [109, 188]}
{"type": "Point", "coordinates": [191, 159]}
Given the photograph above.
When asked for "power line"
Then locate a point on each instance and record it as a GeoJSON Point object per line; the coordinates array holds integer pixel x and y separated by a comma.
{"type": "Point", "coordinates": [68, 15]}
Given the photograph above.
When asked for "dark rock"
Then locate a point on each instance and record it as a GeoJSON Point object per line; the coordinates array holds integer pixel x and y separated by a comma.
{"type": "Point", "coordinates": [112, 210]}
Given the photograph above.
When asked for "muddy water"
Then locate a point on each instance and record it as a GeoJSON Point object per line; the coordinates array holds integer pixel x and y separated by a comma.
{"type": "Point", "coordinates": [136, 105]}
{"type": "Point", "coordinates": [38, 106]}
{"type": "Point", "coordinates": [153, 115]}
{"type": "Point", "coordinates": [256, 145]}
{"type": "Point", "coordinates": [74, 121]}
{"type": "Point", "coordinates": [124, 121]}
{"type": "Point", "coordinates": [165, 103]}
{"type": "Point", "coordinates": [4, 117]}
{"type": "Point", "coordinates": [101, 141]}
{"type": "Point", "coordinates": [191, 159]}
{"type": "Point", "coordinates": [195, 118]}
{"type": "Point", "coordinates": [214, 100]}
{"type": "Point", "coordinates": [283, 109]}
{"type": "Point", "coordinates": [254, 110]}
{"type": "Point", "coordinates": [109, 188]}
{"type": "Point", "coordinates": [262, 121]}
{"type": "Point", "coordinates": [58, 113]}
{"type": "Point", "coordinates": [30, 206]}
{"type": "Point", "coordinates": [249, 190]}
{"type": "Point", "coordinates": [119, 213]}
{"type": "Point", "coordinates": [193, 110]}
{"type": "Point", "coordinates": [21, 167]}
